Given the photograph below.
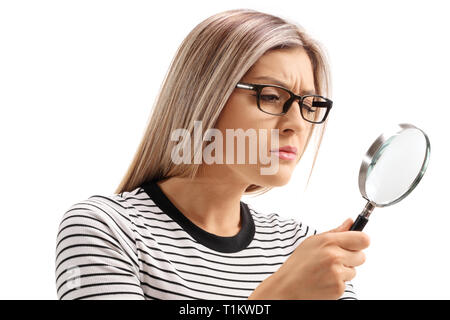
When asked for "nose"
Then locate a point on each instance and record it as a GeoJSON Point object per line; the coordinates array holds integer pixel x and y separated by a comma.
{"type": "Point", "coordinates": [293, 122]}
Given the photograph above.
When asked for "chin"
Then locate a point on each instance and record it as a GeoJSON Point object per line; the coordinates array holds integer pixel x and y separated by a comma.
{"type": "Point", "coordinates": [253, 175]}
{"type": "Point", "coordinates": [279, 179]}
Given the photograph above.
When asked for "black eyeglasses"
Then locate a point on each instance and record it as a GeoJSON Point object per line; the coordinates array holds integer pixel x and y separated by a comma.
{"type": "Point", "coordinates": [276, 100]}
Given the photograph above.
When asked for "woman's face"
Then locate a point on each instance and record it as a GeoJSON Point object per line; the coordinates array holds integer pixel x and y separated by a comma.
{"type": "Point", "coordinates": [291, 67]}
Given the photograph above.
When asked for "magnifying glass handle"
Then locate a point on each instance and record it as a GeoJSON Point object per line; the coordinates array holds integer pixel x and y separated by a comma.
{"type": "Point", "coordinates": [363, 217]}
{"type": "Point", "coordinates": [359, 223]}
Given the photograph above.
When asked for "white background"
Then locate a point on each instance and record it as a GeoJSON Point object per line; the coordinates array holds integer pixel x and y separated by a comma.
{"type": "Point", "coordinates": [78, 78]}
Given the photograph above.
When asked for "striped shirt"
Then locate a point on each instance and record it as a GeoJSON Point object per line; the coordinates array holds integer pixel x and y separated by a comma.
{"type": "Point", "coordinates": [138, 245]}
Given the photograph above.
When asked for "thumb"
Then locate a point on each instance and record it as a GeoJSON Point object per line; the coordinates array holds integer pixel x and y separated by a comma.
{"type": "Point", "coordinates": [345, 226]}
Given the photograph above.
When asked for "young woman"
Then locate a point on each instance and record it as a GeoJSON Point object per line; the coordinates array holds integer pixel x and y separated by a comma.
{"type": "Point", "coordinates": [176, 228]}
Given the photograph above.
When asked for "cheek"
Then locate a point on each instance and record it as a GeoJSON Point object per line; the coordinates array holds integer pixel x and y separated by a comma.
{"type": "Point", "coordinates": [240, 112]}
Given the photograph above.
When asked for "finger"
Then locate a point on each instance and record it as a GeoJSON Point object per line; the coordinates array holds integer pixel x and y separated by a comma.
{"type": "Point", "coordinates": [348, 273]}
{"type": "Point", "coordinates": [346, 225]}
{"type": "Point", "coordinates": [352, 258]}
{"type": "Point", "coordinates": [352, 240]}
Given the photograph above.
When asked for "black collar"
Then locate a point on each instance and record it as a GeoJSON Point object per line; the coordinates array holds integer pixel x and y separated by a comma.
{"type": "Point", "coordinates": [222, 244]}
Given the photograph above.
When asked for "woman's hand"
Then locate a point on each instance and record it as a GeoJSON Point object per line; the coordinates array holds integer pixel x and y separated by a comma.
{"type": "Point", "coordinates": [318, 268]}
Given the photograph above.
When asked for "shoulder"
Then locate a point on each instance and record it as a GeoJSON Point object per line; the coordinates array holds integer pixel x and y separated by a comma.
{"type": "Point", "coordinates": [102, 222]}
{"type": "Point", "coordinates": [106, 206]}
{"type": "Point", "coordinates": [100, 213]}
{"type": "Point", "coordinates": [274, 219]}
{"type": "Point", "coordinates": [96, 240]}
{"type": "Point", "coordinates": [275, 225]}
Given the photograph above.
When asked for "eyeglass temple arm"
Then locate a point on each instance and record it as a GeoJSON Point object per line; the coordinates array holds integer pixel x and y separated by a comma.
{"type": "Point", "coordinates": [245, 86]}
{"type": "Point", "coordinates": [320, 104]}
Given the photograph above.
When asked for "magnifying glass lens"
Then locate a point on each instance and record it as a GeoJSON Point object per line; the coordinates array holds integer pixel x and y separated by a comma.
{"type": "Point", "coordinates": [392, 168]}
{"type": "Point", "coordinates": [395, 167]}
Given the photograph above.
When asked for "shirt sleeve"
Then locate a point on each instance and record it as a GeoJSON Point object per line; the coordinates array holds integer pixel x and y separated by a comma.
{"type": "Point", "coordinates": [95, 258]}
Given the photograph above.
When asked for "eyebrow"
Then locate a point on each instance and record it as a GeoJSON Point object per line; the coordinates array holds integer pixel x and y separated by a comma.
{"type": "Point", "coordinates": [281, 83]}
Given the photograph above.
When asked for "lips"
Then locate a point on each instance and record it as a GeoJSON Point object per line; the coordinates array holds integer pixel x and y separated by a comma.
{"type": "Point", "coordinates": [286, 149]}
{"type": "Point", "coordinates": [286, 152]}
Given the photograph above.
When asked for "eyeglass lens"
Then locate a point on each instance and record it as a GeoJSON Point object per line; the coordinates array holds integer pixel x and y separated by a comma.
{"type": "Point", "coordinates": [272, 100]}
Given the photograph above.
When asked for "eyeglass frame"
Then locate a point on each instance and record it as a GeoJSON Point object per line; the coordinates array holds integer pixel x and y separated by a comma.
{"type": "Point", "coordinates": [258, 88]}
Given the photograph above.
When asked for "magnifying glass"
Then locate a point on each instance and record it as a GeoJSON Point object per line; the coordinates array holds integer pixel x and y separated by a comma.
{"type": "Point", "coordinates": [391, 168]}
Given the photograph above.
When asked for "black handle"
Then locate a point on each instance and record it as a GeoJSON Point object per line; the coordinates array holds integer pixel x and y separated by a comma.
{"type": "Point", "coordinates": [359, 223]}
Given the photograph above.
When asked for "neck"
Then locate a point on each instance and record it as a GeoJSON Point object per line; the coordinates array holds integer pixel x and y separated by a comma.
{"type": "Point", "coordinates": [212, 202]}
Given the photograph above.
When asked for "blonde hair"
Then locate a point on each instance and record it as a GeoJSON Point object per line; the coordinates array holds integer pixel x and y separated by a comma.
{"type": "Point", "coordinates": [208, 64]}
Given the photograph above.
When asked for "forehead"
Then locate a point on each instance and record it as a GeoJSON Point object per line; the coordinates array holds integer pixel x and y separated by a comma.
{"type": "Point", "coordinates": [291, 66]}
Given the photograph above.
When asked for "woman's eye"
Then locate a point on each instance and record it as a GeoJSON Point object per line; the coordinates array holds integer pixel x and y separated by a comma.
{"type": "Point", "coordinates": [308, 108]}
{"type": "Point", "coordinates": [269, 98]}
